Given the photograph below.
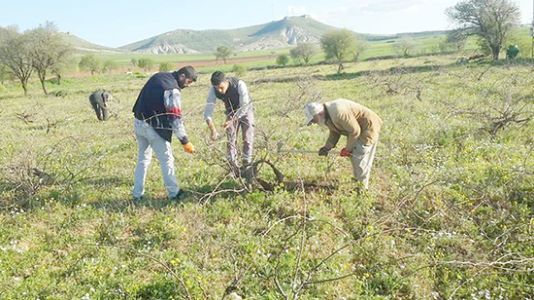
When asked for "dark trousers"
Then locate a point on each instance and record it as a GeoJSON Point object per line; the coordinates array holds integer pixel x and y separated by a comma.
{"type": "Point", "coordinates": [101, 112]}
{"type": "Point", "coordinates": [246, 125]}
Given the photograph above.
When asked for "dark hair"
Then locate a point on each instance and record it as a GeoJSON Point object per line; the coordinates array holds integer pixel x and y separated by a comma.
{"type": "Point", "coordinates": [217, 77]}
{"type": "Point", "coordinates": [189, 73]}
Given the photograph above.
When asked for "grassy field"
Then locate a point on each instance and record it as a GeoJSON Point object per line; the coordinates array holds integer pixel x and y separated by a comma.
{"type": "Point", "coordinates": [449, 213]}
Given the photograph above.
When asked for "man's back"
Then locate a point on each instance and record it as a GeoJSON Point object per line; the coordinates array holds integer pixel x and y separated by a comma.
{"type": "Point", "coordinates": [344, 111]}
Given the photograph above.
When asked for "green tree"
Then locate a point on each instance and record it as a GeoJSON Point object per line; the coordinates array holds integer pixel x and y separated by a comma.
{"type": "Point", "coordinates": [145, 63]}
{"type": "Point", "coordinates": [282, 59]}
{"type": "Point", "coordinates": [49, 50]}
{"type": "Point", "coordinates": [222, 52]}
{"type": "Point", "coordinates": [165, 67]}
{"type": "Point", "coordinates": [89, 63]}
{"type": "Point", "coordinates": [15, 55]}
{"type": "Point", "coordinates": [491, 21]}
{"type": "Point", "coordinates": [302, 53]}
{"type": "Point", "coordinates": [339, 46]}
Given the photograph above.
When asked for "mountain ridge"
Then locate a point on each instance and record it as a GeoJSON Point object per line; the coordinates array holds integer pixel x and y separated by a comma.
{"type": "Point", "coordinates": [282, 33]}
{"type": "Point", "coordinates": [276, 34]}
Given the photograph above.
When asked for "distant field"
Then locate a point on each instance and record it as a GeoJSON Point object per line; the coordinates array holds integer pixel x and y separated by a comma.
{"type": "Point", "coordinates": [449, 214]}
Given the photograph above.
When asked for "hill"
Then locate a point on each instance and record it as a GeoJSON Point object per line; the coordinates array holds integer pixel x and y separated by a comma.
{"type": "Point", "coordinates": [86, 46]}
{"type": "Point", "coordinates": [272, 35]}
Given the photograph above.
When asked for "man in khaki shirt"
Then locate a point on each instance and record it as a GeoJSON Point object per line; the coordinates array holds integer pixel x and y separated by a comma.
{"type": "Point", "coordinates": [358, 123]}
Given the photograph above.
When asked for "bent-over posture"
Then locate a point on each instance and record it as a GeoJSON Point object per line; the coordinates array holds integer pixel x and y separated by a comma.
{"type": "Point", "coordinates": [99, 101]}
{"type": "Point", "coordinates": [358, 123]}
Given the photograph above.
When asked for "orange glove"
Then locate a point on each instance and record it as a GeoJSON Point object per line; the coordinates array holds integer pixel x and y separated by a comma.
{"type": "Point", "coordinates": [345, 153]}
{"type": "Point", "coordinates": [189, 148]}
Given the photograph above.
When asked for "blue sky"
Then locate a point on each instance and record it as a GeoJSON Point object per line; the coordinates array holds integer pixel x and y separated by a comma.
{"type": "Point", "coordinates": [119, 22]}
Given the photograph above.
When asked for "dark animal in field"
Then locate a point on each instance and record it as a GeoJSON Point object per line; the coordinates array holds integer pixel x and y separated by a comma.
{"type": "Point", "coordinates": [99, 101]}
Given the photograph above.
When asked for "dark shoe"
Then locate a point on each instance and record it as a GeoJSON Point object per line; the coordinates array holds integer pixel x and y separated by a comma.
{"type": "Point", "coordinates": [179, 196]}
{"type": "Point", "coordinates": [137, 200]}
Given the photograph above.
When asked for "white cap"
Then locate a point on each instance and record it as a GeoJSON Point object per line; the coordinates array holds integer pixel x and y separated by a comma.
{"type": "Point", "coordinates": [310, 110]}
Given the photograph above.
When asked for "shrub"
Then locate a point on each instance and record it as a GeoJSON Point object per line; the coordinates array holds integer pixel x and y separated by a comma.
{"type": "Point", "coordinates": [282, 60]}
{"type": "Point", "coordinates": [108, 66]}
{"type": "Point", "coordinates": [90, 63]}
{"type": "Point", "coordinates": [165, 67]}
{"type": "Point", "coordinates": [145, 63]}
{"type": "Point", "coordinates": [239, 70]}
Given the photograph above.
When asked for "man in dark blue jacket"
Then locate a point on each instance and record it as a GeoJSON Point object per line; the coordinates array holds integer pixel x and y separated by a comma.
{"type": "Point", "coordinates": [158, 114]}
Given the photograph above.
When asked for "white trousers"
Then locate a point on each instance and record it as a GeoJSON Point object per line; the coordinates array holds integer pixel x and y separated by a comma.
{"type": "Point", "coordinates": [148, 140]}
{"type": "Point", "coordinates": [362, 161]}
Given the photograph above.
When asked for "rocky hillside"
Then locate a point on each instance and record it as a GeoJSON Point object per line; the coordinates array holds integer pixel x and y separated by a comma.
{"type": "Point", "coordinates": [276, 34]}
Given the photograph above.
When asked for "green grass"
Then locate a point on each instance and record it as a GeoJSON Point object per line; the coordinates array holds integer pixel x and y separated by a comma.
{"type": "Point", "coordinates": [449, 213]}
{"type": "Point", "coordinates": [125, 58]}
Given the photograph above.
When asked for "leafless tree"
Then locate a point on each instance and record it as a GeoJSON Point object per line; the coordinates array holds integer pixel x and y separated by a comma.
{"type": "Point", "coordinates": [15, 54]}
{"type": "Point", "coordinates": [49, 50]}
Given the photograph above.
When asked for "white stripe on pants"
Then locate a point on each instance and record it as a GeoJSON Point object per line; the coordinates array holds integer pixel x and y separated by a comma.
{"type": "Point", "coordinates": [362, 161]}
{"type": "Point", "coordinates": [148, 140]}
